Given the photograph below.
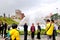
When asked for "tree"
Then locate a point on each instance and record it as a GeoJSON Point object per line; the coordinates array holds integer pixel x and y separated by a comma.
{"type": "Point", "coordinates": [58, 16]}
{"type": "Point", "coordinates": [55, 16]}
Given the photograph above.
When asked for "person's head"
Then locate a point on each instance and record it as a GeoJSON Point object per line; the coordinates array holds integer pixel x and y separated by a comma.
{"type": "Point", "coordinates": [37, 23]}
{"type": "Point", "coordinates": [14, 25]}
{"type": "Point", "coordinates": [47, 20]}
{"type": "Point", "coordinates": [52, 21]}
{"type": "Point", "coordinates": [32, 24]}
{"type": "Point", "coordinates": [25, 23]}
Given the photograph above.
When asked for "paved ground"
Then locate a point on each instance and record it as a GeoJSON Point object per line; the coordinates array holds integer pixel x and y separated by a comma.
{"type": "Point", "coordinates": [43, 37]}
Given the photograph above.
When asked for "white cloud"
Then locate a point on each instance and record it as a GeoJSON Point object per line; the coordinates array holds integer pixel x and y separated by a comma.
{"type": "Point", "coordinates": [29, 7]}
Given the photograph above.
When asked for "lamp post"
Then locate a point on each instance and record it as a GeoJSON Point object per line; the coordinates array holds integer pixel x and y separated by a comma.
{"type": "Point", "coordinates": [9, 15]}
{"type": "Point", "coordinates": [57, 16]}
{"type": "Point", "coordinates": [57, 10]}
{"type": "Point", "coordinates": [4, 15]}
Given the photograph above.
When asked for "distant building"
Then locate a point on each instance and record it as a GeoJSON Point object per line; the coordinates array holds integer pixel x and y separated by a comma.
{"type": "Point", "coordinates": [19, 14]}
{"type": "Point", "coordinates": [13, 17]}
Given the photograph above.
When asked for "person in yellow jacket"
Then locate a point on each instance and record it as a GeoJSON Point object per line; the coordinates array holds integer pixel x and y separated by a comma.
{"type": "Point", "coordinates": [13, 33]}
{"type": "Point", "coordinates": [49, 28]}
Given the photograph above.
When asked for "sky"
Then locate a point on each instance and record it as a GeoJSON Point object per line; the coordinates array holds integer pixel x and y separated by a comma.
{"type": "Point", "coordinates": [30, 7]}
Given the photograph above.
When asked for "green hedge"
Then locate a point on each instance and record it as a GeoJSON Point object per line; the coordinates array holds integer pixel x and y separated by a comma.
{"type": "Point", "coordinates": [8, 20]}
{"type": "Point", "coordinates": [42, 32]}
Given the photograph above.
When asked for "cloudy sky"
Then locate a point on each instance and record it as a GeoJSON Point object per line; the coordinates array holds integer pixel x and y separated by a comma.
{"type": "Point", "coordinates": [30, 7]}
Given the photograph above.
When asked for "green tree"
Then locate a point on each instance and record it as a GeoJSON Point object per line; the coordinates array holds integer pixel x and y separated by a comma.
{"type": "Point", "coordinates": [55, 16]}
{"type": "Point", "coordinates": [58, 16]}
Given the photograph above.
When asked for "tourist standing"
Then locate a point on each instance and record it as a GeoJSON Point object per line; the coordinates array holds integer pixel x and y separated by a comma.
{"type": "Point", "coordinates": [25, 31]}
{"type": "Point", "coordinates": [32, 31]}
{"type": "Point", "coordinates": [54, 30]}
{"type": "Point", "coordinates": [13, 34]}
{"type": "Point", "coordinates": [0, 27]}
{"type": "Point", "coordinates": [38, 31]}
{"type": "Point", "coordinates": [5, 28]}
{"type": "Point", "coordinates": [2, 30]}
{"type": "Point", "coordinates": [49, 29]}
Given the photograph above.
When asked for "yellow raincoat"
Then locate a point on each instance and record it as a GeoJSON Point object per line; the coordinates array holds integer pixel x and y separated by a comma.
{"type": "Point", "coordinates": [50, 31]}
{"type": "Point", "coordinates": [14, 34]}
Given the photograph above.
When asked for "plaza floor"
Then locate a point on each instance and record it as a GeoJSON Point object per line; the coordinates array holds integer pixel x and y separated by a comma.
{"type": "Point", "coordinates": [43, 37]}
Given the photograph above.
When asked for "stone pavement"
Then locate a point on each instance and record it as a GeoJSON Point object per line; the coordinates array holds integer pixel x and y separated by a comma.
{"type": "Point", "coordinates": [43, 37]}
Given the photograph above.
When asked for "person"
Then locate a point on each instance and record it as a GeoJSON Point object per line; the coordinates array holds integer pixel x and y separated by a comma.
{"type": "Point", "coordinates": [2, 30]}
{"type": "Point", "coordinates": [54, 34]}
{"type": "Point", "coordinates": [25, 31]}
{"type": "Point", "coordinates": [54, 30]}
{"type": "Point", "coordinates": [38, 31]}
{"type": "Point", "coordinates": [49, 29]}
{"type": "Point", "coordinates": [32, 31]}
{"type": "Point", "coordinates": [0, 27]}
{"type": "Point", "coordinates": [5, 28]}
{"type": "Point", "coordinates": [59, 27]}
{"type": "Point", "coordinates": [14, 33]}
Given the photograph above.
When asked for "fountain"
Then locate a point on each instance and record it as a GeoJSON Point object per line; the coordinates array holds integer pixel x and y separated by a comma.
{"type": "Point", "coordinates": [29, 20]}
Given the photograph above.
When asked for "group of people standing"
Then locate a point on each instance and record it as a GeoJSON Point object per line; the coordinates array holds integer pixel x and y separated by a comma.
{"type": "Point", "coordinates": [14, 33]}
{"type": "Point", "coordinates": [50, 30]}
{"type": "Point", "coordinates": [3, 28]}
{"type": "Point", "coordinates": [32, 31]}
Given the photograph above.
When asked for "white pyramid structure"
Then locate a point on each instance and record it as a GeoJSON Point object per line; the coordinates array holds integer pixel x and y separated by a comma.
{"type": "Point", "coordinates": [29, 20]}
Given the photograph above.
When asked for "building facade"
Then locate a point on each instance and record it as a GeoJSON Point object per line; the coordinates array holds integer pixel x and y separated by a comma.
{"type": "Point", "coordinates": [19, 14]}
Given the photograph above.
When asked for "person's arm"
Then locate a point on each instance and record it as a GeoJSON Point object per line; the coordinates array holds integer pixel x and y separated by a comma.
{"type": "Point", "coordinates": [47, 26]}
{"type": "Point", "coordinates": [34, 28]}
{"type": "Point", "coordinates": [40, 28]}
{"type": "Point", "coordinates": [8, 35]}
{"type": "Point", "coordinates": [30, 30]}
{"type": "Point", "coordinates": [27, 26]}
{"type": "Point", "coordinates": [18, 36]}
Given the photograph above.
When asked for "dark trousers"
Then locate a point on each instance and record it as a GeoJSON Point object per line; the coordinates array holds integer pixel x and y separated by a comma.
{"type": "Point", "coordinates": [54, 35]}
{"type": "Point", "coordinates": [1, 30]}
{"type": "Point", "coordinates": [54, 38]}
{"type": "Point", "coordinates": [38, 35]}
{"type": "Point", "coordinates": [32, 35]}
{"type": "Point", "coordinates": [25, 35]}
{"type": "Point", "coordinates": [5, 32]}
